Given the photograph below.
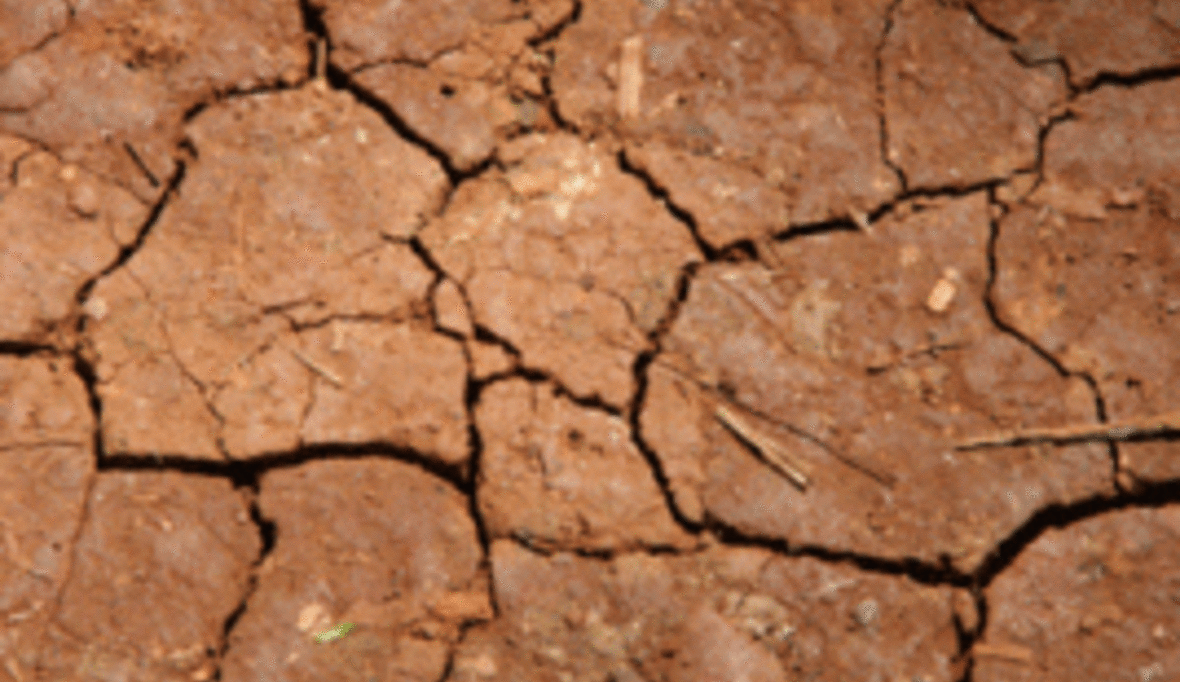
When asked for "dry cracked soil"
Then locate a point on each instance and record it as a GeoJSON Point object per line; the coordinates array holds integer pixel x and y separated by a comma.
{"type": "Point", "coordinates": [590, 340]}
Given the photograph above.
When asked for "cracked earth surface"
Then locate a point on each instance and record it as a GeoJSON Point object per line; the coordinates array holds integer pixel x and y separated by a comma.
{"type": "Point", "coordinates": [590, 340]}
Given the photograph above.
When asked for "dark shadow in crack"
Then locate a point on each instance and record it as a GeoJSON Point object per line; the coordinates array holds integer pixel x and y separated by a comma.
{"type": "Point", "coordinates": [1060, 516]}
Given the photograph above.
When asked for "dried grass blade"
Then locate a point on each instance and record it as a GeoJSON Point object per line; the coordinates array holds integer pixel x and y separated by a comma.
{"type": "Point", "coordinates": [767, 447]}
{"type": "Point", "coordinates": [1157, 425]}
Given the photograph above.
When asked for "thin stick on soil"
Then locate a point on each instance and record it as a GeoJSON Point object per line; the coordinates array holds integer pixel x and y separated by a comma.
{"type": "Point", "coordinates": [316, 367]}
{"type": "Point", "coordinates": [883, 478]}
{"type": "Point", "coordinates": [1165, 424]}
{"type": "Point", "coordinates": [774, 454]}
{"type": "Point", "coordinates": [321, 60]}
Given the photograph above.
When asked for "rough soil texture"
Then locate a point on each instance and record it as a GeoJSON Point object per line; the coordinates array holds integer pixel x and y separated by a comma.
{"type": "Point", "coordinates": [590, 340]}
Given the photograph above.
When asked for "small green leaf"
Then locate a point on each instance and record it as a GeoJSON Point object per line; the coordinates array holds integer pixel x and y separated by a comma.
{"type": "Point", "coordinates": [334, 633]}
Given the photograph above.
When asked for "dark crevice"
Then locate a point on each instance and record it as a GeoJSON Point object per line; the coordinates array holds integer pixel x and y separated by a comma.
{"type": "Point", "coordinates": [634, 411]}
{"type": "Point", "coordinates": [864, 222]}
{"type": "Point", "coordinates": [534, 375]}
{"type": "Point", "coordinates": [126, 252]}
{"type": "Point", "coordinates": [254, 467]}
{"type": "Point", "coordinates": [470, 485]}
{"type": "Point", "coordinates": [549, 99]}
{"type": "Point", "coordinates": [1042, 136]}
{"type": "Point", "coordinates": [995, 31]}
{"type": "Point", "coordinates": [440, 276]}
{"type": "Point", "coordinates": [610, 554]}
{"type": "Point", "coordinates": [89, 377]}
{"type": "Point", "coordinates": [196, 110]}
{"type": "Point", "coordinates": [24, 349]}
{"type": "Point", "coordinates": [1131, 80]}
{"type": "Point", "coordinates": [14, 169]}
{"type": "Point", "coordinates": [1106, 78]}
{"type": "Point", "coordinates": [642, 363]}
{"type": "Point", "coordinates": [740, 251]}
{"type": "Point", "coordinates": [138, 161]}
{"type": "Point", "coordinates": [990, 305]}
{"type": "Point", "coordinates": [248, 483]}
{"type": "Point", "coordinates": [555, 31]}
{"type": "Point", "coordinates": [982, 608]}
{"type": "Point", "coordinates": [486, 335]}
{"type": "Point", "coordinates": [554, 111]}
{"type": "Point", "coordinates": [813, 229]}
{"type": "Point", "coordinates": [548, 550]}
{"type": "Point", "coordinates": [1112, 447]}
{"type": "Point", "coordinates": [415, 310]}
{"type": "Point", "coordinates": [660, 193]}
{"type": "Point", "coordinates": [883, 120]}
{"type": "Point", "coordinates": [949, 191]}
{"type": "Point", "coordinates": [1148, 495]}
{"type": "Point", "coordinates": [341, 80]}
{"type": "Point", "coordinates": [234, 93]}
{"type": "Point", "coordinates": [1021, 55]}
{"type": "Point", "coordinates": [1005, 328]}
{"type": "Point", "coordinates": [427, 258]}
{"type": "Point", "coordinates": [966, 637]}
{"type": "Point", "coordinates": [83, 367]}
{"type": "Point", "coordinates": [664, 324]}
{"type": "Point", "coordinates": [925, 573]}
{"type": "Point", "coordinates": [317, 29]}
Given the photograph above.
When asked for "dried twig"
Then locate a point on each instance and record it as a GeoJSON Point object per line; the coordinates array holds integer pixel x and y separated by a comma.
{"type": "Point", "coordinates": [317, 367]}
{"type": "Point", "coordinates": [774, 454]}
{"type": "Point", "coordinates": [1164, 424]}
{"type": "Point", "coordinates": [321, 59]}
{"type": "Point", "coordinates": [769, 447]}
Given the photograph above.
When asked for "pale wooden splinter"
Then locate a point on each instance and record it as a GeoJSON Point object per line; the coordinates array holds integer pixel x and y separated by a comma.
{"type": "Point", "coordinates": [316, 367]}
{"type": "Point", "coordinates": [1143, 427]}
{"type": "Point", "coordinates": [771, 451]}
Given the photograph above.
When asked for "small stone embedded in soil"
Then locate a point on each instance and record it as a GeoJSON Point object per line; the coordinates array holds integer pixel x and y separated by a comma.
{"type": "Point", "coordinates": [286, 221]}
{"type": "Point", "coordinates": [1123, 37]}
{"type": "Point", "coordinates": [959, 109]}
{"type": "Point", "coordinates": [371, 541]}
{"type": "Point", "coordinates": [561, 476]}
{"type": "Point", "coordinates": [110, 89]}
{"type": "Point", "coordinates": [46, 441]}
{"type": "Point", "coordinates": [59, 226]}
{"type": "Point", "coordinates": [1088, 265]}
{"type": "Point", "coordinates": [1094, 600]}
{"type": "Point", "coordinates": [754, 119]}
{"type": "Point", "coordinates": [162, 561]}
{"type": "Point", "coordinates": [722, 613]}
{"type": "Point", "coordinates": [839, 358]}
{"type": "Point", "coordinates": [566, 258]}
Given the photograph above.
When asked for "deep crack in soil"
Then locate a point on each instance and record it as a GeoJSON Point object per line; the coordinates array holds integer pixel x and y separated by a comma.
{"type": "Point", "coordinates": [590, 340]}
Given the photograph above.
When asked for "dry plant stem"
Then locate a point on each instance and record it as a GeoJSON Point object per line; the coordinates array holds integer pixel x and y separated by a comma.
{"type": "Point", "coordinates": [1164, 424]}
{"type": "Point", "coordinates": [774, 454]}
{"type": "Point", "coordinates": [884, 478]}
{"type": "Point", "coordinates": [316, 367]}
{"type": "Point", "coordinates": [321, 59]}
{"type": "Point", "coordinates": [1008, 652]}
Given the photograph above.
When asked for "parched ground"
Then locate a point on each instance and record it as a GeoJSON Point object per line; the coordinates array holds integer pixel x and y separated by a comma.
{"type": "Point", "coordinates": [590, 340]}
